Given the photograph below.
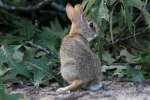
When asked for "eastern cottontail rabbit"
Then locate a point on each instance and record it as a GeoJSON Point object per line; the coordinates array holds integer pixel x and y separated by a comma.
{"type": "Point", "coordinates": [79, 65]}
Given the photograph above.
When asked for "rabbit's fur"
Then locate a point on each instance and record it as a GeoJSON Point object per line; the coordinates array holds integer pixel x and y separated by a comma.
{"type": "Point", "coordinates": [79, 65]}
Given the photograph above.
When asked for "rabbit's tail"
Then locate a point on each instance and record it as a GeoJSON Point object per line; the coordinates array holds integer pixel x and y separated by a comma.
{"type": "Point", "coordinates": [96, 87]}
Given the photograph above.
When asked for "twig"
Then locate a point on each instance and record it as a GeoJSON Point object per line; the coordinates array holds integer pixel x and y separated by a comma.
{"type": "Point", "coordinates": [142, 10]}
{"type": "Point", "coordinates": [138, 18]}
{"type": "Point", "coordinates": [129, 80]}
{"type": "Point", "coordinates": [47, 51]}
{"type": "Point", "coordinates": [111, 15]}
{"type": "Point", "coordinates": [135, 21]}
{"type": "Point", "coordinates": [126, 38]}
{"type": "Point", "coordinates": [58, 7]}
{"type": "Point", "coordinates": [71, 96]}
{"type": "Point", "coordinates": [145, 4]}
{"type": "Point", "coordinates": [51, 12]}
{"type": "Point", "coordinates": [38, 47]}
{"type": "Point", "coordinates": [33, 7]}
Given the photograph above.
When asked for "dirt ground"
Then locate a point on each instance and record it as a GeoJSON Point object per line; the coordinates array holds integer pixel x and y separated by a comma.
{"type": "Point", "coordinates": [112, 91]}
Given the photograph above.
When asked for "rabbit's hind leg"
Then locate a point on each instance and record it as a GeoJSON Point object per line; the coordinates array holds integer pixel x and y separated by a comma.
{"type": "Point", "coordinates": [74, 85]}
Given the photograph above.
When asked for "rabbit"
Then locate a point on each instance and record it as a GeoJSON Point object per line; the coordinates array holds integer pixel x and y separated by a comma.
{"type": "Point", "coordinates": [79, 65]}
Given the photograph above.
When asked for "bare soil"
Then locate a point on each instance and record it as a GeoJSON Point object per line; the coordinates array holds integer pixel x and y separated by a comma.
{"type": "Point", "coordinates": [112, 91]}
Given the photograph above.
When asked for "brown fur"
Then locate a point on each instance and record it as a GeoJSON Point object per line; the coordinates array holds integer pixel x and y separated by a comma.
{"type": "Point", "coordinates": [79, 65]}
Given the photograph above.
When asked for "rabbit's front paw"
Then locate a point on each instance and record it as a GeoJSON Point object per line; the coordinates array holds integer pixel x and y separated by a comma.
{"type": "Point", "coordinates": [62, 90]}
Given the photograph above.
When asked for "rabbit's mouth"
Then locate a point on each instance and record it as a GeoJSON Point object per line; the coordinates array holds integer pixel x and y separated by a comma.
{"type": "Point", "coordinates": [95, 35]}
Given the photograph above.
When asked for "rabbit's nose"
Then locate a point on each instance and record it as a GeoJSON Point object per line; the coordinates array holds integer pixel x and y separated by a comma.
{"type": "Point", "coordinates": [95, 35]}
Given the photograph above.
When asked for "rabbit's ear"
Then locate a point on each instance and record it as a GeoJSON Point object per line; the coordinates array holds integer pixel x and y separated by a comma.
{"type": "Point", "coordinates": [79, 8]}
{"type": "Point", "coordinates": [70, 12]}
{"type": "Point", "coordinates": [79, 12]}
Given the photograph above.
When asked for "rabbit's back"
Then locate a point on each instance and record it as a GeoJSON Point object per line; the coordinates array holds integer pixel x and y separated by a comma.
{"type": "Point", "coordinates": [78, 61]}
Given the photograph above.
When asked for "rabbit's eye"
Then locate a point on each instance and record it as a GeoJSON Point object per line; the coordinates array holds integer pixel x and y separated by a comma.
{"type": "Point", "coordinates": [91, 24]}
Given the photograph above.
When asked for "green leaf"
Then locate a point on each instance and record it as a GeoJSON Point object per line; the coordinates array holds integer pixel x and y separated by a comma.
{"type": "Point", "coordinates": [129, 57]}
{"type": "Point", "coordinates": [51, 37]}
{"type": "Point", "coordinates": [135, 3]}
{"type": "Point", "coordinates": [57, 30]}
{"type": "Point", "coordinates": [25, 28]}
{"type": "Point", "coordinates": [106, 56]}
{"type": "Point", "coordinates": [111, 2]}
{"type": "Point", "coordinates": [126, 14]}
{"type": "Point", "coordinates": [16, 68]}
{"type": "Point", "coordinates": [103, 12]}
{"type": "Point", "coordinates": [140, 5]}
{"type": "Point", "coordinates": [40, 69]}
{"type": "Point", "coordinates": [16, 2]}
{"type": "Point", "coordinates": [147, 16]}
{"type": "Point", "coordinates": [144, 58]}
{"type": "Point", "coordinates": [47, 39]}
{"type": "Point", "coordinates": [18, 56]}
{"type": "Point", "coordinates": [135, 74]}
{"type": "Point", "coordinates": [6, 96]}
{"type": "Point", "coordinates": [10, 39]}
{"type": "Point", "coordinates": [3, 71]}
{"type": "Point", "coordinates": [89, 4]}
{"type": "Point", "coordinates": [117, 67]}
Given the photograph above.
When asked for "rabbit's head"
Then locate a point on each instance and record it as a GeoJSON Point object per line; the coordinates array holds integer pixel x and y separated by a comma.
{"type": "Point", "coordinates": [80, 25]}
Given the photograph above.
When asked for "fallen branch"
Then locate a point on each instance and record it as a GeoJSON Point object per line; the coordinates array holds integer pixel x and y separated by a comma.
{"type": "Point", "coordinates": [71, 96]}
{"type": "Point", "coordinates": [128, 37]}
{"type": "Point", "coordinates": [33, 7]}
{"type": "Point", "coordinates": [124, 39]}
{"type": "Point", "coordinates": [137, 19]}
{"type": "Point", "coordinates": [45, 50]}
{"type": "Point", "coordinates": [37, 47]}
{"type": "Point", "coordinates": [51, 12]}
{"type": "Point", "coordinates": [135, 22]}
{"type": "Point", "coordinates": [58, 7]}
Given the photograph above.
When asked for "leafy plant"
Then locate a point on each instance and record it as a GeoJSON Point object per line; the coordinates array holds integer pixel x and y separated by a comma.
{"type": "Point", "coordinates": [35, 60]}
{"type": "Point", "coordinates": [6, 96]}
{"type": "Point", "coordinates": [30, 37]}
{"type": "Point", "coordinates": [124, 28]}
